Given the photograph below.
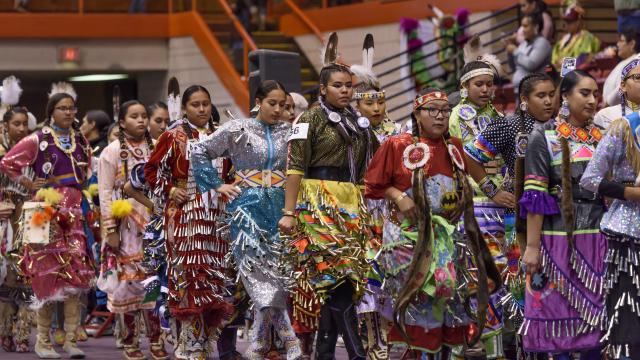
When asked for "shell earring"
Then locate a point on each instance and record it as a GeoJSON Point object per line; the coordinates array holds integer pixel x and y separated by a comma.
{"type": "Point", "coordinates": [564, 110]}
{"type": "Point", "coordinates": [524, 107]}
{"type": "Point", "coordinates": [464, 93]}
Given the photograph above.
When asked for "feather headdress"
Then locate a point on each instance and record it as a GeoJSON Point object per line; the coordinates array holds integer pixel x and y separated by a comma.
{"type": "Point", "coordinates": [474, 51]}
{"type": "Point", "coordinates": [63, 87]}
{"type": "Point", "coordinates": [174, 100]}
{"type": "Point", "coordinates": [11, 91]}
{"type": "Point", "coordinates": [364, 72]}
{"type": "Point", "coordinates": [330, 51]}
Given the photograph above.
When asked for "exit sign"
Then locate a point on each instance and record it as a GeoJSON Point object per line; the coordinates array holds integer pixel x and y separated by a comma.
{"type": "Point", "coordinates": [69, 54]}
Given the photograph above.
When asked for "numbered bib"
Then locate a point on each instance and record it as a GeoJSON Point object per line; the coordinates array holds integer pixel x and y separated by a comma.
{"type": "Point", "coordinates": [299, 131]}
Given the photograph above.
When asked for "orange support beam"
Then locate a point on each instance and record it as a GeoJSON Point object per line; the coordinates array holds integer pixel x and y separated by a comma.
{"type": "Point", "coordinates": [192, 24]}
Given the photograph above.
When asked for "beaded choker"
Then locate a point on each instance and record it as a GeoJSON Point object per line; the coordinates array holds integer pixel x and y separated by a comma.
{"type": "Point", "coordinates": [589, 134]}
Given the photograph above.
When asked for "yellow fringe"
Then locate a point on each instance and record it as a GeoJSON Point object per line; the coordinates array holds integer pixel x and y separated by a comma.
{"type": "Point", "coordinates": [49, 195]}
{"type": "Point", "coordinates": [121, 208]}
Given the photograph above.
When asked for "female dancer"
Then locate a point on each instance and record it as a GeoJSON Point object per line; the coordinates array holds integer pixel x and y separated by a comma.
{"type": "Point", "coordinates": [426, 193]}
{"type": "Point", "coordinates": [619, 154]}
{"type": "Point", "coordinates": [60, 157]}
{"type": "Point", "coordinates": [471, 116]}
{"type": "Point", "coordinates": [15, 324]}
{"type": "Point", "coordinates": [123, 220]}
{"type": "Point", "coordinates": [158, 119]}
{"type": "Point", "coordinates": [564, 299]}
{"type": "Point", "coordinates": [629, 96]}
{"type": "Point", "coordinates": [507, 138]}
{"type": "Point", "coordinates": [371, 103]}
{"type": "Point", "coordinates": [194, 252]}
{"type": "Point", "coordinates": [330, 147]}
{"type": "Point", "coordinates": [257, 149]}
{"type": "Point", "coordinates": [94, 127]}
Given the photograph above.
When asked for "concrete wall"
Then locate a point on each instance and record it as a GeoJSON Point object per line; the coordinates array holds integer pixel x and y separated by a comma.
{"type": "Point", "coordinates": [189, 66]}
{"type": "Point", "coordinates": [95, 55]}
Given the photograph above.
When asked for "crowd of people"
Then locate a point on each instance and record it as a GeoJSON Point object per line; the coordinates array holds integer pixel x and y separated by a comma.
{"type": "Point", "coordinates": [461, 233]}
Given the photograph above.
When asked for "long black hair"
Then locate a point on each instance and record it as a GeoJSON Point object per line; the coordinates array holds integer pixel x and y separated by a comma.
{"type": "Point", "coordinates": [101, 120]}
{"type": "Point", "coordinates": [14, 110]}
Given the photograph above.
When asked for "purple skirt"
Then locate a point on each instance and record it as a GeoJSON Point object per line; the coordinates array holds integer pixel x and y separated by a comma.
{"type": "Point", "coordinates": [564, 302]}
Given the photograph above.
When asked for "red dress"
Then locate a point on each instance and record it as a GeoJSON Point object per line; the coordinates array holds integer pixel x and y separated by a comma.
{"type": "Point", "coordinates": [195, 254]}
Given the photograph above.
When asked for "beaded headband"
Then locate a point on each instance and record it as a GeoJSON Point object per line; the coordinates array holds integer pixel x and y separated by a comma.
{"type": "Point", "coordinates": [423, 99]}
{"type": "Point", "coordinates": [630, 66]}
{"type": "Point", "coordinates": [477, 72]}
{"type": "Point", "coordinates": [369, 95]}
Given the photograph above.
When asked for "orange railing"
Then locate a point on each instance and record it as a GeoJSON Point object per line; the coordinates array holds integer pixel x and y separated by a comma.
{"type": "Point", "coordinates": [247, 41]}
{"type": "Point", "coordinates": [305, 19]}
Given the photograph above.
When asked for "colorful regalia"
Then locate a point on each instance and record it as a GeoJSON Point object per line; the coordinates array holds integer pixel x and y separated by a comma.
{"type": "Point", "coordinates": [258, 152]}
{"type": "Point", "coordinates": [195, 253]}
{"type": "Point", "coordinates": [614, 166]}
{"type": "Point", "coordinates": [329, 252]}
{"type": "Point", "coordinates": [128, 218]}
{"type": "Point", "coordinates": [61, 267]}
{"type": "Point", "coordinates": [15, 294]}
{"type": "Point", "coordinates": [467, 121]}
{"type": "Point", "coordinates": [564, 302]}
{"type": "Point", "coordinates": [507, 138]}
{"type": "Point", "coordinates": [436, 316]}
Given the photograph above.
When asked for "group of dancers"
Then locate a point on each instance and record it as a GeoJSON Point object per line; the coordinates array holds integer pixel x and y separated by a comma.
{"type": "Point", "coordinates": [459, 234]}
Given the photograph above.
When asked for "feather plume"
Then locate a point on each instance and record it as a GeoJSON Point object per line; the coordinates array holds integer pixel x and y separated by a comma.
{"type": "Point", "coordinates": [436, 10]}
{"type": "Point", "coordinates": [330, 53]}
{"type": "Point", "coordinates": [472, 49]}
{"type": "Point", "coordinates": [63, 87]}
{"type": "Point", "coordinates": [11, 91]}
{"type": "Point", "coordinates": [32, 122]}
{"type": "Point", "coordinates": [49, 195]}
{"type": "Point", "coordinates": [494, 62]}
{"type": "Point", "coordinates": [174, 100]}
{"type": "Point", "coordinates": [367, 52]}
{"type": "Point", "coordinates": [365, 75]}
{"type": "Point", "coordinates": [116, 103]}
{"type": "Point", "coordinates": [121, 208]}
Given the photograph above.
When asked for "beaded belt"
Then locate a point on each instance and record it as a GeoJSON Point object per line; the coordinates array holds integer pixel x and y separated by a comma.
{"type": "Point", "coordinates": [260, 178]}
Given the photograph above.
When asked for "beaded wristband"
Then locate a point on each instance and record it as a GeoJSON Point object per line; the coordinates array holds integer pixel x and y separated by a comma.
{"type": "Point", "coordinates": [488, 187]}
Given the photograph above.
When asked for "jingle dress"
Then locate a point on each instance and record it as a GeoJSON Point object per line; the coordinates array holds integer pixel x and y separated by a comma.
{"type": "Point", "coordinates": [258, 152]}
{"type": "Point", "coordinates": [15, 293]}
{"type": "Point", "coordinates": [63, 266]}
{"type": "Point", "coordinates": [618, 154]}
{"type": "Point", "coordinates": [195, 254]}
{"type": "Point", "coordinates": [128, 294]}
{"type": "Point", "coordinates": [437, 316]}
{"type": "Point", "coordinates": [467, 121]}
{"type": "Point", "coordinates": [564, 302]}
{"type": "Point", "coordinates": [330, 208]}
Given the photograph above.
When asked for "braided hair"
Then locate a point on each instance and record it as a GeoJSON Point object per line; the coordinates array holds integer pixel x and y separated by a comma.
{"type": "Point", "coordinates": [121, 136]}
{"type": "Point", "coordinates": [527, 84]}
{"type": "Point", "coordinates": [568, 83]}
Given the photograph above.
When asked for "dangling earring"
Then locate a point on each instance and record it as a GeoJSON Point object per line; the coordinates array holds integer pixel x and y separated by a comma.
{"type": "Point", "coordinates": [524, 107]}
{"type": "Point", "coordinates": [464, 93]}
{"type": "Point", "coordinates": [492, 96]}
{"type": "Point", "coordinates": [564, 110]}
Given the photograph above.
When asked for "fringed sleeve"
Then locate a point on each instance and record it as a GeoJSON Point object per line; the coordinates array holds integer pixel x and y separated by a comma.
{"type": "Point", "coordinates": [107, 173]}
{"type": "Point", "coordinates": [22, 155]}
{"type": "Point", "coordinates": [162, 153]}
{"type": "Point", "coordinates": [536, 198]}
{"type": "Point", "coordinates": [204, 153]}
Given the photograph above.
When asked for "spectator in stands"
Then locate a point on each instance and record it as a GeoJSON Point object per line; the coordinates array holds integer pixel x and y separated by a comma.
{"type": "Point", "coordinates": [628, 45]}
{"type": "Point", "coordinates": [628, 13]}
{"type": "Point", "coordinates": [577, 42]}
{"type": "Point", "coordinates": [537, 8]}
{"type": "Point", "coordinates": [137, 6]}
{"type": "Point", "coordinates": [20, 5]}
{"type": "Point", "coordinates": [532, 55]}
